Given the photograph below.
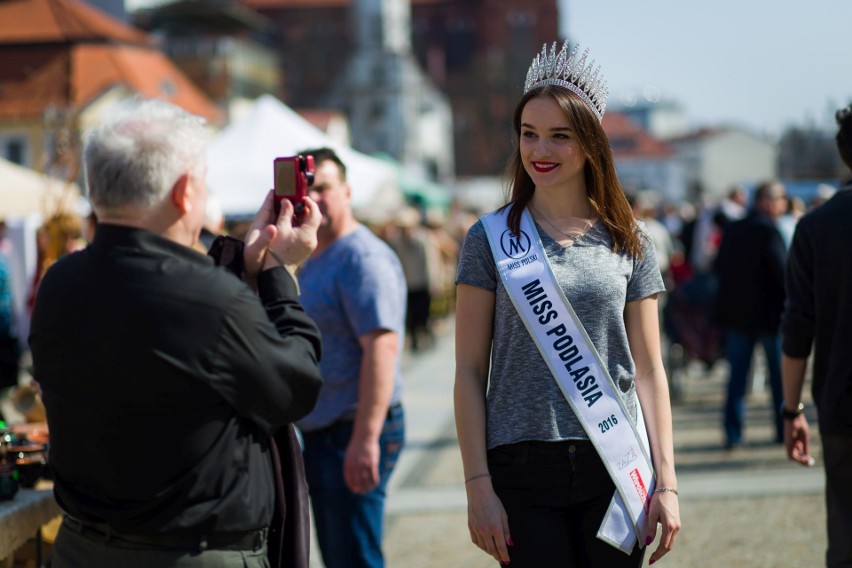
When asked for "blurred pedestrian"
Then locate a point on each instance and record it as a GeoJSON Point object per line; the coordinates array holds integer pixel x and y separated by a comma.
{"type": "Point", "coordinates": [459, 220]}
{"type": "Point", "coordinates": [750, 299]}
{"type": "Point", "coordinates": [538, 378]}
{"type": "Point", "coordinates": [787, 222]}
{"type": "Point", "coordinates": [419, 256]}
{"type": "Point", "coordinates": [662, 239]}
{"type": "Point", "coordinates": [733, 207]}
{"type": "Point", "coordinates": [709, 227]}
{"type": "Point", "coordinates": [444, 296]}
{"type": "Point", "coordinates": [165, 377]}
{"type": "Point", "coordinates": [817, 315]}
{"type": "Point", "coordinates": [9, 347]}
{"type": "Point", "coordinates": [354, 288]}
{"type": "Point", "coordinates": [58, 235]}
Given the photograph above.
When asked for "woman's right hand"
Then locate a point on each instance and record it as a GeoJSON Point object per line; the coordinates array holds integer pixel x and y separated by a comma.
{"type": "Point", "coordinates": [487, 520]}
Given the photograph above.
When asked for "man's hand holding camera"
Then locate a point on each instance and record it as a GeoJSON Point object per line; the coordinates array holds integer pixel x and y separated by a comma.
{"type": "Point", "coordinates": [273, 241]}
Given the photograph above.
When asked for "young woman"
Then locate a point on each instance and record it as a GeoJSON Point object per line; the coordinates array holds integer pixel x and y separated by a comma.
{"type": "Point", "coordinates": [538, 490]}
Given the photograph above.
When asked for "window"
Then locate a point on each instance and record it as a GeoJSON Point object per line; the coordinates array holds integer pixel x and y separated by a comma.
{"type": "Point", "coordinates": [13, 147]}
{"type": "Point", "coordinates": [15, 151]}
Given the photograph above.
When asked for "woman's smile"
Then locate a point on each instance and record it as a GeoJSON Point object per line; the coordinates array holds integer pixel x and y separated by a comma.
{"type": "Point", "coordinates": [544, 167]}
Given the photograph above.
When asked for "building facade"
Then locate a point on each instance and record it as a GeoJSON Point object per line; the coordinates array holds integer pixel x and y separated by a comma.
{"type": "Point", "coordinates": [644, 162]}
{"type": "Point", "coordinates": [458, 67]}
{"type": "Point", "coordinates": [226, 48]}
{"type": "Point", "coordinates": [715, 160]}
{"type": "Point", "coordinates": [357, 57]}
{"type": "Point", "coordinates": [478, 52]}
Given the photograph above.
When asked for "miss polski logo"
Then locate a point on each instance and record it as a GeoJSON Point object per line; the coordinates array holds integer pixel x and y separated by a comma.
{"type": "Point", "coordinates": [517, 247]}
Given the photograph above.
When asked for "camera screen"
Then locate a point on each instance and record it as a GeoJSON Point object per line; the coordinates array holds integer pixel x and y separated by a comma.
{"type": "Point", "coordinates": [285, 177]}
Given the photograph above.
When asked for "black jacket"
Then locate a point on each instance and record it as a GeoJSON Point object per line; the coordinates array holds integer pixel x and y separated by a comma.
{"type": "Point", "coordinates": [818, 311]}
{"type": "Point", "coordinates": [164, 378]}
{"type": "Point", "coordinates": [750, 272]}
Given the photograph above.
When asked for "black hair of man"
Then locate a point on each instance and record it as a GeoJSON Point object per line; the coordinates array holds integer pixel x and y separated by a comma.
{"type": "Point", "coordinates": [764, 190]}
{"type": "Point", "coordinates": [844, 134]}
{"type": "Point", "coordinates": [322, 154]}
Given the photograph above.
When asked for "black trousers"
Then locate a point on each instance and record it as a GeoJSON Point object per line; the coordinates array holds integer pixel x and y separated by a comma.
{"type": "Point", "coordinates": [417, 317]}
{"type": "Point", "coordinates": [555, 495]}
{"type": "Point", "coordinates": [9, 361]}
{"type": "Point", "coordinates": [837, 452]}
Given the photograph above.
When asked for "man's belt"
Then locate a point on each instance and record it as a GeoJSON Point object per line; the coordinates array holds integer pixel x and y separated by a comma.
{"type": "Point", "coordinates": [349, 418]}
{"type": "Point", "coordinates": [250, 540]}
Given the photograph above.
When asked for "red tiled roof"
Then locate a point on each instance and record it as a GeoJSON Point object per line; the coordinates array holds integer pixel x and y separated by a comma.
{"type": "Point", "coordinates": [58, 58]}
{"type": "Point", "coordinates": [700, 134]}
{"type": "Point", "coordinates": [271, 4]}
{"type": "Point", "coordinates": [74, 77]}
{"type": "Point", "coordinates": [48, 21]}
{"type": "Point", "coordinates": [31, 80]}
{"type": "Point", "coordinates": [629, 140]}
{"type": "Point", "coordinates": [141, 70]}
{"type": "Point", "coordinates": [261, 4]}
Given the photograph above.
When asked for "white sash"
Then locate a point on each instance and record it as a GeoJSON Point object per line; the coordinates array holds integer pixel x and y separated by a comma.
{"type": "Point", "coordinates": [580, 373]}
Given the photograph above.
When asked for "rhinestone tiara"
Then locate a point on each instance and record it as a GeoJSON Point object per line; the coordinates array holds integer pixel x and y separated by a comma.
{"type": "Point", "coordinates": [566, 71]}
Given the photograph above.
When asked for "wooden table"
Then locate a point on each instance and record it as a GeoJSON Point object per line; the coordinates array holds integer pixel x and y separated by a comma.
{"type": "Point", "coordinates": [21, 518]}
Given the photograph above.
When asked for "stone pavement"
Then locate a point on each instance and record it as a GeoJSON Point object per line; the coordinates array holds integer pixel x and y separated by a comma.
{"type": "Point", "coordinates": [744, 508]}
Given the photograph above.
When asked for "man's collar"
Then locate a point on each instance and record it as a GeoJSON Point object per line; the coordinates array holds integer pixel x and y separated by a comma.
{"type": "Point", "coordinates": [108, 235]}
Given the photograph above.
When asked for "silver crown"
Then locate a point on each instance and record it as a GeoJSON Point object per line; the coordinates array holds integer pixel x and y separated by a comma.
{"type": "Point", "coordinates": [566, 71]}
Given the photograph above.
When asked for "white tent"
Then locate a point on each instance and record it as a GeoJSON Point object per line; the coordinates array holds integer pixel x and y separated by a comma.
{"type": "Point", "coordinates": [25, 192]}
{"type": "Point", "coordinates": [240, 171]}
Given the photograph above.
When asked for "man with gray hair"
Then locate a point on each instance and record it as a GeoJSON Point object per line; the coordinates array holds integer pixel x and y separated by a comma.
{"type": "Point", "coordinates": [165, 377]}
{"type": "Point", "coordinates": [817, 315]}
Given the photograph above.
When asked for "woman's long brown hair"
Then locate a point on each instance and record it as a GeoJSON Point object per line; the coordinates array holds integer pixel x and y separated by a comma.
{"type": "Point", "coordinates": [602, 185]}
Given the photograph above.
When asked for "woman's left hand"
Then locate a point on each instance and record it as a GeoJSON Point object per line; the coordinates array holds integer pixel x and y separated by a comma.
{"type": "Point", "coordinates": [665, 510]}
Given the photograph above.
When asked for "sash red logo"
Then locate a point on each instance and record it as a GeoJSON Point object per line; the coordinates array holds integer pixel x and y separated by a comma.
{"type": "Point", "coordinates": [640, 487]}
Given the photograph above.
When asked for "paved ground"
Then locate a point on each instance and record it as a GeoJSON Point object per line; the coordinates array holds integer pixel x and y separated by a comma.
{"type": "Point", "coordinates": [746, 508]}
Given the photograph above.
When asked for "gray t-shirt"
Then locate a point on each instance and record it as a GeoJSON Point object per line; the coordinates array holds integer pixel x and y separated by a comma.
{"type": "Point", "coordinates": [524, 402]}
{"type": "Point", "coordinates": [353, 287]}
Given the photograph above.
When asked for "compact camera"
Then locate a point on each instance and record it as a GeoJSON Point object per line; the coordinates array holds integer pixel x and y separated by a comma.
{"type": "Point", "coordinates": [293, 176]}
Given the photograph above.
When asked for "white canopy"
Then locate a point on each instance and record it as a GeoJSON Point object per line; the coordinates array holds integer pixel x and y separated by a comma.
{"type": "Point", "coordinates": [25, 192]}
{"type": "Point", "coordinates": [239, 161]}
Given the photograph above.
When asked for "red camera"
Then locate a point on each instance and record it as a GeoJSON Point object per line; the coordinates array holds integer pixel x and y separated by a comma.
{"type": "Point", "coordinates": [293, 176]}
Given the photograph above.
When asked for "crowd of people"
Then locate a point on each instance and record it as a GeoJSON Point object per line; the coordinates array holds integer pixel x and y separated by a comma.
{"type": "Point", "coordinates": [724, 267]}
{"type": "Point", "coordinates": [267, 359]}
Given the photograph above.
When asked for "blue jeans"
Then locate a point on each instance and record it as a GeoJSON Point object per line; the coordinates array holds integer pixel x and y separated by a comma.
{"type": "Point", "coordinates": [349, 526]}
{"type": "Point", "coordinates": [739, 348]}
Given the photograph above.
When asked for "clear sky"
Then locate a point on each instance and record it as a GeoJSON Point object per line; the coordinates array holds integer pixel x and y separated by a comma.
{"type": "Point", "coordinates": [763, 64]}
